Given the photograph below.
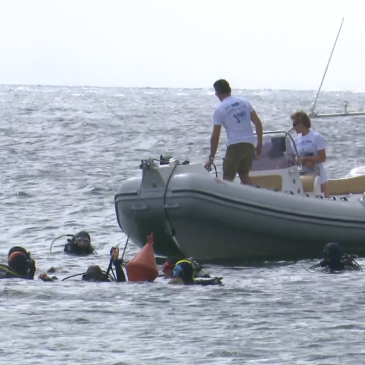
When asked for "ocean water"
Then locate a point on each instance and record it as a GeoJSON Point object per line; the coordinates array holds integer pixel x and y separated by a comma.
{"type": "Point", "coordinates": [64, 152]}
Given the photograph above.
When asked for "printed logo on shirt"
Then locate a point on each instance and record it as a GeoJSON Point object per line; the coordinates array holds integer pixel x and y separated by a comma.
{"type": "Point", "coordinates": [305, 147]}
{"type": "Point", "coordinates": [233, 106]}
{"type": "Point", "coordinates": [239, 115]}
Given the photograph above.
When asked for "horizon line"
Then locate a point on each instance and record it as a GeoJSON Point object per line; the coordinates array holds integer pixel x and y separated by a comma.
{"type": "Point", "coordinates": [177, 87]}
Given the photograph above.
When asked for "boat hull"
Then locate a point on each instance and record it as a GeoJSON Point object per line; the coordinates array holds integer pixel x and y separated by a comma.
{"type": "Point", "coordinates": [224, 222]}
{"type": "Point", "coordinates": [139, 216]}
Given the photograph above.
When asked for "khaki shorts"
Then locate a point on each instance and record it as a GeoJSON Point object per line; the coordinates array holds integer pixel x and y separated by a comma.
{"type": "Point", "coordinates": [238, 159]}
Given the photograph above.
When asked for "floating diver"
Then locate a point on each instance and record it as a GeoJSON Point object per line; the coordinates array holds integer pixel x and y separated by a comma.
{"type": "Point", "coordinates": [20, 265]}
{"type": "Point", "coordinates": [335, 261]}
{"type": "Point", "coordinates": [184, 272]}
{"type": "Point", "coordinates": [169, 265]}
{"type": "Point", "coordinates": [142, 267]}
{"type": "Point", "coordinates": [79, 244]}
{"type": "Point", "coordinates": [95, 273]}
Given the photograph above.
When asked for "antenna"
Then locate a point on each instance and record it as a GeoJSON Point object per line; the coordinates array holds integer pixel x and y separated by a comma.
{"type": "Point", "coordinates": [315, 102]}
{"type": "Point", "coordinates": [345, 104]}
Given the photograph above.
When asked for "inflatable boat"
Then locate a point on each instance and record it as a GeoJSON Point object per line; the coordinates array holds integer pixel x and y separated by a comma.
{"type": "Point", "coordinates": [283, 216]}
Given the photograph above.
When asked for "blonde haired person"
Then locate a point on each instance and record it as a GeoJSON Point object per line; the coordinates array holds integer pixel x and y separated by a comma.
{"type": "Point", "coordinates": [311, 147]}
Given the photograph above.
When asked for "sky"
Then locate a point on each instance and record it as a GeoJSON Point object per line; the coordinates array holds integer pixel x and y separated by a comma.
{"type": "Point", "coordinates": [254, 44]}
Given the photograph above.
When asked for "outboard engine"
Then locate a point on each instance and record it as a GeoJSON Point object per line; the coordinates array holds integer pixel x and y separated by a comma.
{"type": "Point", "coordinates": [164, 160]}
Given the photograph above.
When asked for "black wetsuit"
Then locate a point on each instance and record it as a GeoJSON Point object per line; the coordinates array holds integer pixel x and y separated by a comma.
{"type": "Point", "coordinates": [6, 272]}
{"type": "Point", "coordinates": [184, 269]}
{"type": "Point", "coordinates": [72, 248]}
{"type": "Point", "coordinates": [94, 273]}
{"type": "Point", "coordinates": [333, 265]}
{"type": "Point", "coordinates": [119, 270]}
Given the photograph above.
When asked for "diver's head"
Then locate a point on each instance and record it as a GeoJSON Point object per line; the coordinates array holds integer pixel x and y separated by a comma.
{"type": "Point", "coordinates": [185, 271]}
{"type": "Point", "coordinates": [83, 239]}
{"type": "Point", "coordinates": [20, 262]}
{"type": "Point", "coordinates": [332, 251]}
{"type": "Point", "coordinates": [19, 249]}
{"type": "Point", "coordinates": [168, 267]}
{"type": "Point", "coordinates": [93, 273]}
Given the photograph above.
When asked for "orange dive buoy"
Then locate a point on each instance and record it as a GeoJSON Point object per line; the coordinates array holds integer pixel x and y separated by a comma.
{"type": "Point", "coordinates": [143, 266]}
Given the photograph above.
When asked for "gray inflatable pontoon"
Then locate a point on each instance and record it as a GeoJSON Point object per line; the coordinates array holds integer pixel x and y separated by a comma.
{"type": "Point", "coordinates": [194, 214]}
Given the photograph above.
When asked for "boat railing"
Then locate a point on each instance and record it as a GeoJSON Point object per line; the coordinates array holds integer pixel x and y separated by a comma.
{"type": "Point", "coordinates": [293, 144]}
{"type": "Point", "coordinates": [268, 165]}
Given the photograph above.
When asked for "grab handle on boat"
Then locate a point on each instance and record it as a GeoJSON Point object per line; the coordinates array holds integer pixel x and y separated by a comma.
{"type": "Point", "coordinates": [173, 206]}
{"type": "Point", "coordinates": [143, 207]}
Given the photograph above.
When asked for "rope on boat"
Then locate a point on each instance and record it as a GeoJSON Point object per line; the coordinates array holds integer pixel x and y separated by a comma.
{"type": "Point", "coordinates": [144, 163]}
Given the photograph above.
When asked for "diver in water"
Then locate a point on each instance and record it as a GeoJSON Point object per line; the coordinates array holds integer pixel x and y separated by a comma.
{"type": "Point", "coordinates": [20, 265]}
{"type": "Point", "coordinates": [334, 260]}
{"type": "Point", "coordinates": [80, 244]}
{"type": "Point", "coordinates": [169, 265]}
{"type": "Point", "coordinates": [96, 274]}
{"type": "Point", "coordinates": [185, 272]}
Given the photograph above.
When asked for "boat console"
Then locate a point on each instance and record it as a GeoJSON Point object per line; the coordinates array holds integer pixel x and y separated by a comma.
{"type": "Point", "coordinates": [279, 168]}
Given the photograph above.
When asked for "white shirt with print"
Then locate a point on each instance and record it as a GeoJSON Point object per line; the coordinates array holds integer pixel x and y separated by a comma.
{"type": "Point", "coordinates": [309, 145]}
{"type": "Point", "coordinates": [234, 113]}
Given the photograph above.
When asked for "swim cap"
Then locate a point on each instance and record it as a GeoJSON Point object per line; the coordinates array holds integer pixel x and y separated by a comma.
{"type": "Point", "coordinates": [18, 261]}
{"type": "Point", "coordinates": [83, 234]}
{"type": "Point", "coordinates": [332, 250]}
{"type": "Point", "coordinates": [93, 273]}
{"type": "Point", "coordinates": [83, 239]}
{"type": "Point", "coordinates": [19, 249]}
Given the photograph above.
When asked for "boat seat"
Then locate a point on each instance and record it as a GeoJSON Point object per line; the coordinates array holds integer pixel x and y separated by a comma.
{"type": "Point", "coordinates": [350, 185]}
{"type": "Point", "coordinates": [268, 181]}
{"type": "Point", "coordinates": [308, 182]}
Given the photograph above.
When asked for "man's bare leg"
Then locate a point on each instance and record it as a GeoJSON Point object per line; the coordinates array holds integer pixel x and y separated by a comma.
{"type": "Point", "coordinates": [245, 179]}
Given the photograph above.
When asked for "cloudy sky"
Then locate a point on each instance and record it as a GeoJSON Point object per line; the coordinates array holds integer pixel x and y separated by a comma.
{"type": "Point", "coordinates": [279, 44]}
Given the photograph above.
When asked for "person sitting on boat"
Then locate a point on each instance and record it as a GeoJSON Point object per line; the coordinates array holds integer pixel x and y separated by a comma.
{"type": "Point", "coordinates": [169, 265]}
{"type": "Point", "coordinates": [96, 274]}
{"type": "Point", "coordinates": [334, 259]}
{"type": "Point", "coordinates": [185, 273]}
{"type": "Point", "coordinates": [79, 245]}
{"type": "Point", "coordinates": [236, 115]}
{"type": "Point", "coordinates": [20, 265]}
{"type": "Point", "coordinates": [311, 147]}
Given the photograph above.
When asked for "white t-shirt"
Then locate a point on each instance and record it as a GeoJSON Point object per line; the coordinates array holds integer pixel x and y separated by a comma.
{"type": "Point", "coordinates": [309, 145]}
{"type": "Point", "coordinates": [235, 115]}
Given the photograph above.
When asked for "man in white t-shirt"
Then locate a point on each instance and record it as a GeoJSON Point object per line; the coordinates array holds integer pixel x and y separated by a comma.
{"type": "Point", "coordinates": [311, 147]}
{"type": "Point", "coordinates": [236, 115]}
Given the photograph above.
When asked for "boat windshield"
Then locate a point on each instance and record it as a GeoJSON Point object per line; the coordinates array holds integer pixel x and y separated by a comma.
{"type": "Point", "coordinates": [278, 152]}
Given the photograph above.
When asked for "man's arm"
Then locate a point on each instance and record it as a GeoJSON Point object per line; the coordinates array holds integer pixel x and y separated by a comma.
{"type": "Point", "coordinates": [117, 264]}
{"type": "Point", "coordinates": [257, 122]}
{"type": "Point", "coordinates": [315, 159]}
{"type": "Point", "coordinates": [214, 140]}
{"type": "Point", "coordinates": [119, 269]}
